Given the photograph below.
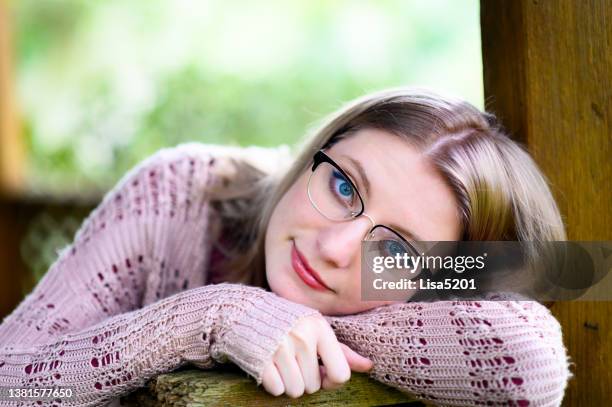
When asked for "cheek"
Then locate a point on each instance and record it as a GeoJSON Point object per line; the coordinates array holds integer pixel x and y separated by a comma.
{"type": "Point", "coordinates": [294, 209]}
{"type": "Point", "coordinates": [287, 219]}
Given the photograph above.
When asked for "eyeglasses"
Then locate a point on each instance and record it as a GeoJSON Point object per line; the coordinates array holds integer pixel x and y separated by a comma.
{"type": "Point", "coordinates": [335, 196]}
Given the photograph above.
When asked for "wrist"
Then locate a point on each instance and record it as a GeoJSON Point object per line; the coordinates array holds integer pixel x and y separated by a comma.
{"type": "Point", "coordinates": [255, 331]}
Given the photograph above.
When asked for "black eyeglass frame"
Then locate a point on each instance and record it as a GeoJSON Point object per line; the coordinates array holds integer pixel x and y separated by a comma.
{"type": "Point", "coordinates": [319, 158]}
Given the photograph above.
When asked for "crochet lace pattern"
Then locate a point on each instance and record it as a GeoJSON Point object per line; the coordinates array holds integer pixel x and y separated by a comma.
{"type": "Point", "coordinates": [127, 301]}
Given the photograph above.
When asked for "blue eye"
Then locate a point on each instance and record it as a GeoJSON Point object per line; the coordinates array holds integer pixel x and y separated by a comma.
{"type": "Point", "coordinates": [341, 186]}
{"type": "Point", "coordinates": [393, 248]}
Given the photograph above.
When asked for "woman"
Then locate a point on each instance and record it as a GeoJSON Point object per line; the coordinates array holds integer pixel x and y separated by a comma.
{"type": "Point", "coordinates": [169, 269]}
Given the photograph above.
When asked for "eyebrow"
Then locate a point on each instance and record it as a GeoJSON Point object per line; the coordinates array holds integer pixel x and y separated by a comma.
{"type": "Point", "coordinates": [404, 232]}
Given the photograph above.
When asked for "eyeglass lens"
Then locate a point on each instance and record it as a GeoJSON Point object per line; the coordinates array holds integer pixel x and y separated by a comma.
{"type": "Point", "coordinates": [336, 198]}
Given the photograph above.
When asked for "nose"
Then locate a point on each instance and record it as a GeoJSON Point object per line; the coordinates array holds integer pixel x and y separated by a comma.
{"type": "Point", "coordinates": [370, 219]}
{"type": "Point", "coordinates": [339, 244]}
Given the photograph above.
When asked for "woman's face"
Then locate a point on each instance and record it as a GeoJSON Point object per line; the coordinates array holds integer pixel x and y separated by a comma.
{"type": "Point", "coordinates": [405, 193]}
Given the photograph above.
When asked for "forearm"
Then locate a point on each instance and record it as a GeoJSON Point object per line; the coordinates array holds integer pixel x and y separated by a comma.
{"type": "Point", "coordinates": [463, 352]}
{"type": "Point", "coordinates": [200, 326]}
{"type": "Point", "coordinates": [103, 361]}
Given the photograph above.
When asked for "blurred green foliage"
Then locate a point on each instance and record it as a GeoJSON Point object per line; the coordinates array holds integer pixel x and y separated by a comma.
{"type": "Point", "coordinates": [104, 84]}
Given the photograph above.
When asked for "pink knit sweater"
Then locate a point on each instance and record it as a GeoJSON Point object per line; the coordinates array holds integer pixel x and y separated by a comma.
{"type": "Point", "coordinates": [127, 301]}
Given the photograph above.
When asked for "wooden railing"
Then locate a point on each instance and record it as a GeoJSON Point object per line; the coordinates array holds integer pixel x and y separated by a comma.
{"type": "Point", "coordinates": [231, 387]}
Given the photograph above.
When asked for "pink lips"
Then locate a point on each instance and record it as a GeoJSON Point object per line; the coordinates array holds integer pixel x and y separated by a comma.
{"type": "Point", "coordinates": [303, 270]}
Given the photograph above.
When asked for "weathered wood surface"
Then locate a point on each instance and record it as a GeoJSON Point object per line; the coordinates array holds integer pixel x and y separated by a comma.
{"type": "Point", "coordinates": [548, 75]}
{"type": "Point", "coordinates": [230, 387]}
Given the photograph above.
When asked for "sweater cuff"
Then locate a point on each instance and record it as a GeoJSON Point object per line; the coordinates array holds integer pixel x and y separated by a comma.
{"type": "Point", "coordinates": [256, 332]}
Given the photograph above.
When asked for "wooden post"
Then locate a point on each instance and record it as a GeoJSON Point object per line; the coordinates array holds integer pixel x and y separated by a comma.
{"type": "Point", "coordinates": [11, 146]}
{"type": "Point", "coordinates": [11, 175]}
{"type": "Point", "coordinates": [548, 76]}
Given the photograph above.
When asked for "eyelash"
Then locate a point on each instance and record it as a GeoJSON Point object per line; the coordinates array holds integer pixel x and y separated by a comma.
{"type": "Point", "coordinates": [355, 182]}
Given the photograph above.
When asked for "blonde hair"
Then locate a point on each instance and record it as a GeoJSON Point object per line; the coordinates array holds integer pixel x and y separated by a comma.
{"type": "Point", "coordinates": [501, 193]}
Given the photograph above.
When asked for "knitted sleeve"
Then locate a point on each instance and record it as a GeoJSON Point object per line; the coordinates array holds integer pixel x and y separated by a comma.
{"type": "Point", "coordinates": [118, 260]}
{"type": "Point", "coordinates": [125, 301]}
{"type": "Point", "coordinates": [463, 353]}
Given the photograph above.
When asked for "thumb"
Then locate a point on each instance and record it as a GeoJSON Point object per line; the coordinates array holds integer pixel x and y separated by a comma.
{"type": "Point", "coordinates": [356, 362]}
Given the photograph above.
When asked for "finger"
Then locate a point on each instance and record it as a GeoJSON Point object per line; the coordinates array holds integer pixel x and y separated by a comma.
{"type": "Point", "coordinates": [356, 362]}
{"type": "Point", "coordinates": [332, 356]}
{"type": "Point", "coordinates": [289, 371]}
{"type": "Point", "coordinates": [326, 384]}
{"type": "Point", "coordinates": [309, 366]}
{"type": "Point", "coordinates": [272, 381]}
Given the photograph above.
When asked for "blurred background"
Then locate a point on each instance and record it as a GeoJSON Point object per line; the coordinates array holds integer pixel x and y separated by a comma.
{"type": "Point", "coordinates": [94, 87]}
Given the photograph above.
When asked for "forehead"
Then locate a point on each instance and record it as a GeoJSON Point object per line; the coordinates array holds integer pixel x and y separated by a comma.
{"type": "Point", "coordinates": [405, 188]}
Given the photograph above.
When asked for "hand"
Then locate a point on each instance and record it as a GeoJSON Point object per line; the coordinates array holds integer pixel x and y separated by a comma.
{"type": "Point", "coordinates": [294, 368]}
